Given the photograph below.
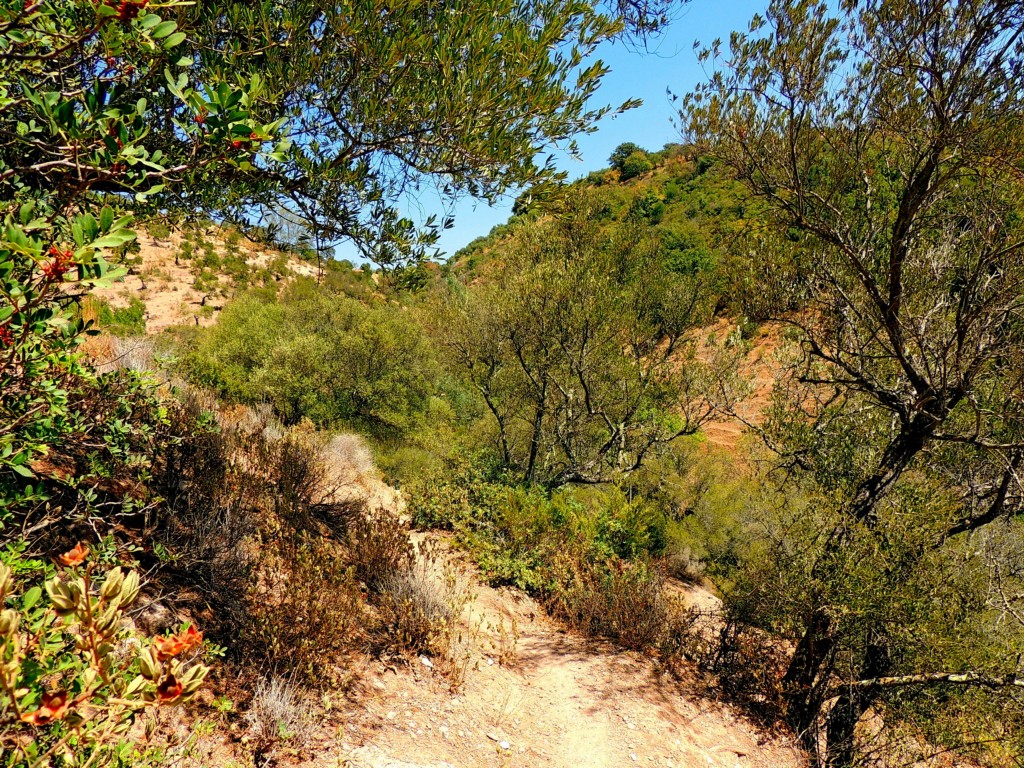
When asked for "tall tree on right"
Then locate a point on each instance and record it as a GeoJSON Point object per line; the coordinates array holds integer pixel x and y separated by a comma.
{"type": "Point", "coordinates": [884, 138]}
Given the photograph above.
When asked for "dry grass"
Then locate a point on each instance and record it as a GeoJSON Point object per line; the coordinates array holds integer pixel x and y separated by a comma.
{"type": "Point", "coordinates": [420, 607]}
{"type": "Point", "coordinates": [279, 712]}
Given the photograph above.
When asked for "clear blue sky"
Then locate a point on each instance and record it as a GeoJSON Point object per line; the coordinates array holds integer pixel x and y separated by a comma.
{"type": "Point", "coordinates": [669, 62]}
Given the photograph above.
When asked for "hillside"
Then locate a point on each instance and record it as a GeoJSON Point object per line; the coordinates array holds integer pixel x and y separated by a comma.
{"type": "Point", "coordinates": [714, 457]}
{"type": "Point", "coordinates": [523, 669]}
{"type": "Point", "coordinates": [184, 276]}
{"type": "Point", "coordinates": [516, 686]}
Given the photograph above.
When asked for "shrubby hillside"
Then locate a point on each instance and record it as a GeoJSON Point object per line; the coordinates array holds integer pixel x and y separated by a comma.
{"type": "Point", "coordinates": [258, 506]}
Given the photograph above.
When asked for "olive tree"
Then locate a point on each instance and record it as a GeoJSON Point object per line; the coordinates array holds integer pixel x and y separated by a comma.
{"type": "Point", "coordinates": [884, 139]}
{"type": "Point", "coordinates": [580, 344]}
{"type": "Point", "coordinates": [385, 99]}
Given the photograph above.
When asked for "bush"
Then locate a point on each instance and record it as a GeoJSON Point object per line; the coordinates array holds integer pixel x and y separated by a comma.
{"type": "Point", "coordinates": [419, 607]}
{"type": "Point", "coordinates": [621, 600]}
{"type": "Point", "coordinates": [634, 165]}
{"type": "Point", "coordinates": [119, 321]}
{"type": "Point", "coordinates": [74, 678]}
{"type": "Point", "coordinates": [380, 548]}
{"type": "Point", "coordinates": [304, 611]}
{"type": "Point", "coordinates": [158, 229]}
{"type": "Point", "coordinates": [326, 358]}
{"type": "Point", "coordinates": [278, 712]}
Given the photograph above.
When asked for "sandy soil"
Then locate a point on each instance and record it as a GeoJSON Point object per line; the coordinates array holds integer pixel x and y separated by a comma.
{"type": "Point", "coordinates": [555, 700]}
{"type": "Point", "coordinates": [167, 288]}
{"type": "Point", "coordinates": [759, 367]}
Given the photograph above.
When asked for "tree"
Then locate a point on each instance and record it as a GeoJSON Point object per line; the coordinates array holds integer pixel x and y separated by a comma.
{"type": "Point", "coordinates": [314, 355]}
{"type": "Point", "coordinates": [636, 164]}
{"type": "Point", "coordinates": [382, 98]}
{"type": "Point", "coordinates": [226, 108]}
{"type": "Point", "coordinates": [884, 139]}
{"type": "Point", "coordinates": [621, 152]}
{"type": "Point", "coordinates": [77, 154]}
{"type": "Point", "coordinates": [577, 343]}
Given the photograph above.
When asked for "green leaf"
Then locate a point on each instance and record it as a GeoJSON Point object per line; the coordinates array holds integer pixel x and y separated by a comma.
{"type": "Point", "coordinates": [163, 29]}
{"type": "Point", "coordinates": [31, 597]}
{"type": "Point", "coordinates": [106, 218]}
{"type": "Point", "coordinates": [114, 239]}
{"type": "Point", "coordinates": [174, 40]}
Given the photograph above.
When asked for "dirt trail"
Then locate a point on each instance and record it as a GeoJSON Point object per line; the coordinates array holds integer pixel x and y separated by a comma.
{"type": "Point", "coordinates": [558, 701]}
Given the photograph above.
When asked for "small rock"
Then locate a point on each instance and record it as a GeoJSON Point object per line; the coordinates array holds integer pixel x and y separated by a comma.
{"type": "Point", "coordinates": [632, 756]}
{"type": "Point", "coordinates": [426, 662]}
{"type": "Point", "coordinates": [504, 745]}
{"type": "Point", "coordinates": [391, 715]}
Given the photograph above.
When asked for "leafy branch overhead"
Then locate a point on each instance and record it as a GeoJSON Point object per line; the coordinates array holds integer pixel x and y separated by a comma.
{"type": "Point", "coordinates": [383, 98]}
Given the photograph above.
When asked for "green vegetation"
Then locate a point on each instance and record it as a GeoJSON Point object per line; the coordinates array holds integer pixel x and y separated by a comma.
{"type": "Point", "coordinates": [853, 186]}
{"type": "Point", "coordinates": [319, 356]}
{"type": "Point", "coordinates": [119, 321]}
{"type": "Point", "coordinates": [114, 109]}
{"type": "Point", "coordinates": [902, 416]}
{"type": "Point", "coordinates": [574, 346]}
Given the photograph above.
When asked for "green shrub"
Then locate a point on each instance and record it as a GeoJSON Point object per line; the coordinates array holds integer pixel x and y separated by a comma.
{"type": "Point", "coordinates": [634, 165]}
{"type": "Point", "coordinates": [74, 680]}
{"type": "Point", "coordinates": [122, 321]}
{"type": "Point", "coordinates": [158, 229]}
{"type": "Point", "coordinates": [327, 358]}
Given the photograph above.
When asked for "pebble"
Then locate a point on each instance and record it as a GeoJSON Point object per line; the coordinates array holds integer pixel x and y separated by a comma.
{"type": "Point", "coordinates": [632, 756]}
{"type": "Point", "coordinates": [426, 662]}
{"type": "Point", "coordinates": [504, 745]}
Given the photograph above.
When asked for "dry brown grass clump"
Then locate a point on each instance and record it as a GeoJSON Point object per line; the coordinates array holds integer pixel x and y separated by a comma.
{"type": "Point", "coordinates": [420, 607]}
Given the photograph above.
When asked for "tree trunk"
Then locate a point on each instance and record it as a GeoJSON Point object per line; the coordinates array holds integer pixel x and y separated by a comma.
{"type": "Point", "coordinates": [538, 425]}
{"type": "Point", "coordinates": [897, 457]}
{"type": "Point", "coordinates": [853, 702]}
{"type": "Point", "coordinates": [802, 686]}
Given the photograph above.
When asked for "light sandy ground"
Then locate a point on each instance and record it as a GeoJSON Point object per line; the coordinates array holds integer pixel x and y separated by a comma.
{"type": "Point", "coordinates": [759, 367]}
{"type": "Point", "coordinates": [558, 700]}
{"type": "Point", "coordinates": [166, 288]}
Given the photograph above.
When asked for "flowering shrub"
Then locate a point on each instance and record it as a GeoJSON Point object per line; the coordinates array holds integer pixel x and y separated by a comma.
{"type": "Point", "coordinates": [73, 677]}
{"type": "Point", "coordinates": [98, 119]}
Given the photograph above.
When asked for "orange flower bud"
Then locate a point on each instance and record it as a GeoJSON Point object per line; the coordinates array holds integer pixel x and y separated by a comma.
{"type": "Point", "coordinates": [54, 706]}
{"type": "Point", "coordinates": [74, 556]}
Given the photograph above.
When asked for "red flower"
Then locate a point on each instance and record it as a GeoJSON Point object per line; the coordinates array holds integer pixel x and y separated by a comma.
{"type": "Point", "coordinates": [201, 117]}
{"type": "Point", "coordinates": [74, 556]}
{"type": "Point", "coordinates": [169, 689]}
{"type": "Point", "coordinates": [61, 263]}
{"type": "Point", "coordinates": [6, 337]}
{"type": "Point", "coordinates": [172, 645]}
{"type": "Point", "coordinates": [237, 143]}
{"type": "Point", "coordinates": [54, 706]}
{"type": "Point", "coordinates": [128, 9]}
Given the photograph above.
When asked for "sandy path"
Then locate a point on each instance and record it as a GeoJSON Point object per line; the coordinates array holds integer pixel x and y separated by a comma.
{"type": "Point", "coordinates": [563, 702]}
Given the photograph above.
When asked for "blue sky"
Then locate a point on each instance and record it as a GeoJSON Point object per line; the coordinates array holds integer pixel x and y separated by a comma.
{"type": "Point", "coordinates": [669, 62]}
